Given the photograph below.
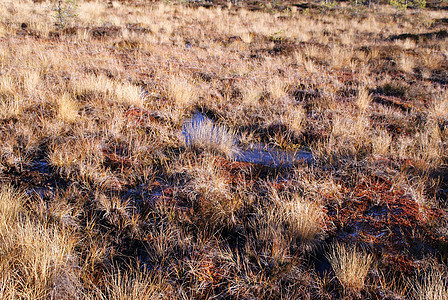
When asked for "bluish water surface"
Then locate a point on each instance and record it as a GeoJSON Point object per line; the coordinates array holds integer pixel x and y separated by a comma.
{"type": "Point", "coordinates": [259, 153]}
{"type": "Point", "coordinates": [272, 157]}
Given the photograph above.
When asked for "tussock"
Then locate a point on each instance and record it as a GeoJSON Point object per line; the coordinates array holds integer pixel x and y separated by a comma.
{"type": "Point", "coordinates": [350, 266]}
{"type": "Point", "coordinates": [202, 133]}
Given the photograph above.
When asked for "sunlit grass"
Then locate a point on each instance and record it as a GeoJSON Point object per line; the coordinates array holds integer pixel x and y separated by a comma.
{"type": "Point", "coordinates": [114, 186]}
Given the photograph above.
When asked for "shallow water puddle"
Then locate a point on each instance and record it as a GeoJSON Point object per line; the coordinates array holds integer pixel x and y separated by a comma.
{"type": "Point", "coordinates": [41, 166]}
{"type": "Point", "coordinates": [262, 154]}
{"type": "Point", "coordinates": [271, 157]}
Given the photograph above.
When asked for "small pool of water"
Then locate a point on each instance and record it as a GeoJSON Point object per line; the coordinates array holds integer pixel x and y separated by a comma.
{"type": "Point", "coordinates": [257, 153]}
{"type": "Point", "coordinates": [41, 166]}
{"type": "Point", "coordinates": [272, 157]}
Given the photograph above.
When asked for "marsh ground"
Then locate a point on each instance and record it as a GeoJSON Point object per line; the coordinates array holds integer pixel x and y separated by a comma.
{"type": "Point", "coordinates": [103, 197]}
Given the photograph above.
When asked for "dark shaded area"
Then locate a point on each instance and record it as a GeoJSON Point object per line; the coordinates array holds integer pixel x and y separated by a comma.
{"type": "Point", "coordinates": [69, 31]}
{"type": "Point", "coordinates": [392, 102]}
{"type": "Point", "coordinates": [439, 22]}
{"type": "Point", "coordinates": [138, 28]}
{"type": "Point", "coordinates": [437, 35]}
{"type": "Point", "coordinates": [388, 221]}
{"type": "Point", "coordinates": [302, 94]}
{"type": "Point", "coordinates": [105, 31]}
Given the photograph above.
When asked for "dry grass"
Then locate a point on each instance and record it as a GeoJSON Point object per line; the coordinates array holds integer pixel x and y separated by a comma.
{"type": "Point", "coordinates": [109, 190]}
{"type": "Point", "coordinates": [124, 93]}
{"type": "Point", "coordinates": [295, 119]}
{"type": "Point", "coordinates": [252, 93]}
{"type": "Point", "coordinates": [439, 108]}
{"type": "Point", "coordinates": [350, 267]}
{"type": "Point", "coordinates": [350, 135]}
{"type": "Point", "coordinates": [38, 260]}
{"type": "Point", "coordinates": [305, 220]}
{"type": "Point", "coordinates": [202, 133]}
{"type": "Point", "coordinates": [11, 202]}
{"type": "Point", "coordinates": [134, 285]}
{"type": "Point", "coordinates": [381, 143]}
{"type": "Point", "coordinates": [406, 63]}
{"type": "Point", "coordinates": [67, 109]}
{"type": "Point", "coordinates": [213, 194]}
{"type": "Point", "coordinates": [431, 286]}
{"type": "Point", "coordinates": [277, 88]}
{"type": "Point", "coordinates": [363, 100]}
{"type": "Point", "coordinates": [182, 91]}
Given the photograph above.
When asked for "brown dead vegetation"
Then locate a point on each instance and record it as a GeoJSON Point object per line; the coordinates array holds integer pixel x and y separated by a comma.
{"type": "Point", "coordinates": [110, 191]}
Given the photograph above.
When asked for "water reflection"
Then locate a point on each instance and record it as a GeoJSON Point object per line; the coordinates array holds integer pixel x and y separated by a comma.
{"type": "Point", "coordinates": [257, 153]}
{"type": "Point", "coordinates": [272, 157]}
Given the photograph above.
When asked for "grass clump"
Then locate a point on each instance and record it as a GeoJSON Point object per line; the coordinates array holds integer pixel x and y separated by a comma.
{"type": "Point", "coordinates": [303, 219]}
{"type": "Point", "coordinates": [182, 91]}
{"type": "Point", "coordinates": [38, 259]}
{"type": "Point", "coordinates": [431, 286]}
{"type": "Point", "coordinates": [202, 133]}
{"type": "Point", "coordinates": [67, 109]}
{"type": "Point", "coordinates": [350, 267]}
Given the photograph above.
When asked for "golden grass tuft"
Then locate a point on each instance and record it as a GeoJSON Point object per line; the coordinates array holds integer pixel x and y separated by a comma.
{"type": "Point", "coordinates": [341, 57]}
{"type": "Point", "coordinates": [406, 63]}
{"type": "Point", "coordinates": [439, 106]}
{"type": "Point", "coordinates": [11, 201]}
{"type": "Point", "coordinates": [350, 267]}
{"type": "Point", "coordinates": [129, 94]}
{"type": "Point", "coordinates": [363, 100]}
{"type": "Point", "coordinates": [277, 88]}
{"type": "Point", "coordinates": [350, 135]}
{"type": "Point", "coordinates": [212, 190]}
{"type": "Point", "coordinates": [124, 93]}
{"type": "Point", "coordinates": [296, 119]}
{"type": "Point", "coordinates": [130, 285]}
{"type": "Point", "coordinates": [303, 219]}
{"type": "Point", "coordinates": [432, 285]}
{"type": "Point", "coordinates": [381, 143]}
{"type": "Point", "coordinates": [31, 80]}
{"type": "Point", "coordinates": [7, 85]}
{"type": "Point", "coordinates": [11, 107]}
{"type": "Point", "coordinates": [183, 91]}
{"type": "Point", "coordinates": [251, 93]}
{"type": "Point", "coordinates": [10, 98]}
{"type": "Point", "coordinates": [67, 109]}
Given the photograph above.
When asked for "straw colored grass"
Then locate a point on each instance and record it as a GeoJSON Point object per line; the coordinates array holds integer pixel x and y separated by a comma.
{"type": "Point", "coordinates": [111, 187]}
{"type": "Point", "coordinates": [38, 260]}
{"type": "Point", "coordinates": [431, 286]}
{"type": "Point", "coordinates": [67, 109]}
{"type": "Point", "coordinates": [350, 266]}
